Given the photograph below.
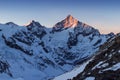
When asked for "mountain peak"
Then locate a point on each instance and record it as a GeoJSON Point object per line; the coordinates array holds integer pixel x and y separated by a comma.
{"type": "Point", "coordinates": [33, 23]}
{"type": "Point", "coordinates": [70, 17]}
{"type": "Point", "coordinates": [79, 27]}
{"type": "Point", "coordinates": [70, 21]}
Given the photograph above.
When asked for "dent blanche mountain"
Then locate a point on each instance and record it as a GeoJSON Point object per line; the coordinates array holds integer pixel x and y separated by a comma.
{"type": "Point", "coordinates": [35, 52]}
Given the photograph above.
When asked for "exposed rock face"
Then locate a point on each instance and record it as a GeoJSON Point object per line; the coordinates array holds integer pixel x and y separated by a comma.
{"type": "Point", "coordinates": [72, 40]}
{"type": "Point", "coordinates": [4, 68]}
{"type": "Point", "coordinates": [12, 43]}
{"type": "Point", "coordinates": [69, 22]}
{"type": "Point", "coordinates": [36, 28]}
{"type": "Point", "coordinates": [105, 65]}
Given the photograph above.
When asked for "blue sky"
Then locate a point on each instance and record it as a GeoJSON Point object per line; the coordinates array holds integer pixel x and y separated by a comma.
{"type": "Point", "coordinates": [101, 14]}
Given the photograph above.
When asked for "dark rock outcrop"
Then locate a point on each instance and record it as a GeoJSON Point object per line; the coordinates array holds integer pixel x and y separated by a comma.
{"type": "Point", "coordinates": [105, 64]}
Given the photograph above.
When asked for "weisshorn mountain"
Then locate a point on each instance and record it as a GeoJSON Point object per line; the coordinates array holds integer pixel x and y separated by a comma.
{"type": "Point", "coordinates": [35, 52]}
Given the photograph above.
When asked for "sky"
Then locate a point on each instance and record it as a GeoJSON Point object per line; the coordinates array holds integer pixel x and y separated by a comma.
{"type": "Point", "coordinates": [101, 14]}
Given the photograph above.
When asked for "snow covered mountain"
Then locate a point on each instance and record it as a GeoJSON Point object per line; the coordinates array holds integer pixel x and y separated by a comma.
{"type": "Point", "coordinates": [34, 52]}
{"type": "Point", "coordinates": [104, 65]}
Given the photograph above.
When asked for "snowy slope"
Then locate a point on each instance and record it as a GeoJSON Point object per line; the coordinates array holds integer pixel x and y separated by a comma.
{"type": "Point", "coordinates": [34, 52]}
{"type": "Point", "coordinates": [73, 73]}
{"type": "Point", "coordinates": [104, 65]}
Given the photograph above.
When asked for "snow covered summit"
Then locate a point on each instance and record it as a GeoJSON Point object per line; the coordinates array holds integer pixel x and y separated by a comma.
{"type": "Point", "coordinates": [72, 23]}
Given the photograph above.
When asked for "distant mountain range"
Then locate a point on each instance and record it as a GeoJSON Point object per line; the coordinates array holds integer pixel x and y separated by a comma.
{"type": "Point", "coordinates": [35, 52]}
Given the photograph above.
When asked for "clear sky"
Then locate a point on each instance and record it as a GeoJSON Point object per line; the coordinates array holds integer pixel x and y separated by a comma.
{"type": "Point", "coordinates": [101, 14]}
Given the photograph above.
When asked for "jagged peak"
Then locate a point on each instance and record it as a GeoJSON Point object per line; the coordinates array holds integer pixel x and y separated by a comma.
{"type": "Point", "coordinates": [33, 23]}
{"type": "Point", "coordinates": [71, 22]}
{"type": "Point", "coordinates": [68, 22]}
{"type": "Point", "coordinates": [69, 17]}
